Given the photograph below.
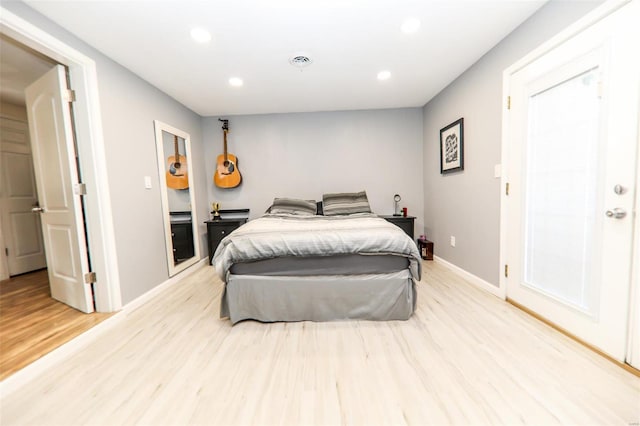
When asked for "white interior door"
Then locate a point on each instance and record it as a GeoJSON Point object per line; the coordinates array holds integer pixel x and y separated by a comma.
{"type": "Point", "coordinates": [56, 173]}
{"type": "Point", "coordinates": [21, 226]}
{"type": "Point", "coordinates": [571, 169]}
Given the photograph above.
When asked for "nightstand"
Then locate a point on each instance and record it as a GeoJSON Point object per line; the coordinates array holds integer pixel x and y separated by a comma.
{"type": "Point", "coordinates": [218, 229]}
{"type": "Point", "coordinates": [182, 239]}
{"type": "Point", "coordinates": [405, 223]}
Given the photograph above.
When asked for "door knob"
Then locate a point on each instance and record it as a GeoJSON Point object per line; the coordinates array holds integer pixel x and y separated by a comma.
{"type": "Point", "coordinates": [37, 209]}
{"type": "Point", "coordinates": [616, 213]}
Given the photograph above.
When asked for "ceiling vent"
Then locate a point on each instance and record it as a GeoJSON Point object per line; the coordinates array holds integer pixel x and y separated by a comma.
{"type": "Point", "coordinates": [300, 60]}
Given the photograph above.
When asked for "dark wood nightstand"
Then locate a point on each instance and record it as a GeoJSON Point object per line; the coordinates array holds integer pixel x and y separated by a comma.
{"type": "Point", "coordinates": [218, 229]}
{"type": "Point", "coordinates": [182, 239]}
{"type": "Point", "coordinates": [406, 223]}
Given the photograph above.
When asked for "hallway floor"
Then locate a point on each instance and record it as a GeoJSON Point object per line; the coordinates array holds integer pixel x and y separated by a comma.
{"type": "Point", "coordinates": [33, 324]}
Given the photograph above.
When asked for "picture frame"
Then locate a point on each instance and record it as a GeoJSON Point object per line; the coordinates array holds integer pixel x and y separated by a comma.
{"type": "Point", "coordinates": [452, 147]}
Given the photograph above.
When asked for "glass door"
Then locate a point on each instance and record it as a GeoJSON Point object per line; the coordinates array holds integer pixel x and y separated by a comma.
{"type": "Point", "coordinates": [571, 169]}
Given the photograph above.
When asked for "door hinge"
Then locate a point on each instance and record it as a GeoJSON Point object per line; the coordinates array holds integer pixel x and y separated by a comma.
{"type": "Point", "coordinates": [506, 271]}
{"type": "Point", "coordinates": [80, 189]}
{"type": "Point", "coordinates": [506, 189]}
{"type": "Point", "coordinates": [90, 277]}
{"type": "Point", "coordinates": [508, 102]}
{"type": "Point", "coordinates": [69, 95]}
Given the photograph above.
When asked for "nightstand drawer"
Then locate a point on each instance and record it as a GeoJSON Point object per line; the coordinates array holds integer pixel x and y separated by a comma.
{"type": "Point", "coordinates": [218, 229]}
{"type": "Point", "coordinates": [402, 222]}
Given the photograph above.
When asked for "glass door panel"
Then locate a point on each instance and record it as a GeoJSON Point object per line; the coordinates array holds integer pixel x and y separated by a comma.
{"type": "Point", "coordinates": [561, 181]}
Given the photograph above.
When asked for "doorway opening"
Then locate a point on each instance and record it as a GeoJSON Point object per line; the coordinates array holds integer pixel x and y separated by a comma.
{"type": "Point", "coordinates": [32, 323]}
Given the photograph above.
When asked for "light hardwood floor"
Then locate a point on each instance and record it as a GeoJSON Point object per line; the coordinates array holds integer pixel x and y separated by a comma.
{"type": "Point", "coordinates": [465, 357]}
{"type": "Point", "coordinates": [33, 324]}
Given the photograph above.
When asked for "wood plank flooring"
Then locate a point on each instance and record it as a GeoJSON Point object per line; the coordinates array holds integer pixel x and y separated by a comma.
{"type": "Point", "coordinates": [465, 357]}
{"type": "Point", "coordinates": [32, 324]}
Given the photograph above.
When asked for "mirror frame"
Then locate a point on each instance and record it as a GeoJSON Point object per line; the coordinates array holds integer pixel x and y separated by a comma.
{"type": "Point", "coordinates": [162, 158]}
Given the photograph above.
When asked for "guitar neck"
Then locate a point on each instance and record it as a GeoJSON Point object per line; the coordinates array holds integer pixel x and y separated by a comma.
{"type": "Point", "coordinates": [225, 146]}
{"type": "Point", "coordinates": [175, 147]}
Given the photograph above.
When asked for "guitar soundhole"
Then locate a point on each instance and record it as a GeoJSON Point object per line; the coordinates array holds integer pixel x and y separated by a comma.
{"type": "Point", "coordinates": [226, 164]}
{"type": "Point", "coordinates": [174, 168]}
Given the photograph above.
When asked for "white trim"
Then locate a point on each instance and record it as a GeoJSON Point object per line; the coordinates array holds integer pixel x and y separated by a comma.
{"type": "Point", "coordinates": [50, 360]}
{"type": "Point", "coordinates": [586, 21]}
{"type": "Point", "coordinates": [146, 297]}
{"type": "Point", "coordinates": [88, 121]}
{"type": "Point", "coordinates": [473, 279]}
{"type": "Point", "coordinates": [159, 127]}
{"type": "Point", "coordinates": [633, 336]}
{"type": "Point", "coordinates": [577, 27]}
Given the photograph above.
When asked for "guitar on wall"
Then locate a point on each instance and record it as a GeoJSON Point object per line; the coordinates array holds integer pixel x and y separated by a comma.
{"type": "Point", "coordinates": [177, 175]}
{"type": "Point", "coordinates": [227, 174]}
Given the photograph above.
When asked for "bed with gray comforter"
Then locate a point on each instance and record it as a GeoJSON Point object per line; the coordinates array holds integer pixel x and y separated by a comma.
{"type": "Point", "coordinates": [319, 268]}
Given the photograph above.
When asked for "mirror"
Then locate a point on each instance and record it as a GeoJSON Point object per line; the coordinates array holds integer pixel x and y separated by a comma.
{"type": "Point", "coordinates": [178, 197]}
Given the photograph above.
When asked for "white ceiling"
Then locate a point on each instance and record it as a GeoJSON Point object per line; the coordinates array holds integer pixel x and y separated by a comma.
{"type": "Point", "coordinates": [350, 41]}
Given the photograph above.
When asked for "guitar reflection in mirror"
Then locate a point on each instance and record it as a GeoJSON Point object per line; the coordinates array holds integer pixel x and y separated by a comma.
{"type": "Point", "coordinates": [177, 175]}
{"type": "Point", "coordinates": [227, 174]}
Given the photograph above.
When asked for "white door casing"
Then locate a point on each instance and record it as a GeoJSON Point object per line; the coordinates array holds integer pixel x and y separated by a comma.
{"type": "Point", "coordinates": [52, 144]}
{"type": "Point", "coordinates": [600, 52]}
{"type": "Point", "coordinates": [91, 150]}
{"type": "Point", "coordinates": [21, 227]}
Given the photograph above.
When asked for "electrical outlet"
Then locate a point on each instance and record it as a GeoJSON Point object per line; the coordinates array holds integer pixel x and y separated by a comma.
{"type": "Point", "coordinates": [453, 241]}
{"type": "Point", "coordinates": [147, 182]}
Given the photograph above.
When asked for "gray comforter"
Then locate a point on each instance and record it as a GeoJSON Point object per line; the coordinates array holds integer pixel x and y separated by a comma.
{"type": "Point", "coordinates": [274, 236]}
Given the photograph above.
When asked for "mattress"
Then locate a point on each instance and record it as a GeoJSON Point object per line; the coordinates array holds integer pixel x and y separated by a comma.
{"type": "Point", "coordinates": [295, 237]}
{"type": "Point", "coordinates": [347, 264]}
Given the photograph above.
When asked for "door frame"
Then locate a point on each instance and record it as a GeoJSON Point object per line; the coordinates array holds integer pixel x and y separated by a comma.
{"type": "Point", "coordinates": [633, 321]}
{"type": "Point", "coordinates": [577, 27]}
{"type": "Point", "coordinates": [91, 153]}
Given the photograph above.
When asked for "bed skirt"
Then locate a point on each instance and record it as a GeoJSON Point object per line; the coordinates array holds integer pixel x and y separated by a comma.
{"type": "Point", "coordinates": [381, 297]}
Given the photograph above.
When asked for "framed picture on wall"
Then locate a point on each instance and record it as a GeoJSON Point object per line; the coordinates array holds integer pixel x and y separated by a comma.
{"type": "Point", "coordinates": [452, 147]}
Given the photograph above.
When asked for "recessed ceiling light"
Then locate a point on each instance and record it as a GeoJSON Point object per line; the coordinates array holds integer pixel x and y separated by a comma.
{"type": "Point", "coordinates": [410, 25]}
{"type": "Point", "coordinates": [236, 82]}
{"type": "Point", "coordinates": [384, 75]}
{"type": "Point", "coordinates": [200, 35]}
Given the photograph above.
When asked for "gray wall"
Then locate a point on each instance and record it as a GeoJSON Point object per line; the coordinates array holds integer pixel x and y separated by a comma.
{"type": "Point", "coordinates": [128, 106]}
{"type": "Point", "coordinates": [307, 154]}
{"type": "Point", "coordinates": [467, 204]}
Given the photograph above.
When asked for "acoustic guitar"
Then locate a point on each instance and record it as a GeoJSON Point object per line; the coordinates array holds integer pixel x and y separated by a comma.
{"type": "Point", "coordinates": [227, 174]}
{"type": "Point", "coordinates": [177, 175]}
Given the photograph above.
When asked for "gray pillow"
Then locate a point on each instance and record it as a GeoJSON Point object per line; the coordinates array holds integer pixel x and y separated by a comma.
{"type": "Point", "coordinates": [293, 206]}
{"type": "Point", "coordinates": [345, 203]}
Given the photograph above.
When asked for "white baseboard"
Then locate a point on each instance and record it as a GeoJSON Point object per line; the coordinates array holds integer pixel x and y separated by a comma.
{"type": "Point", "coordinates": [479, 282]}
{"type": "Point", "coordinates": [141, 300]}
{"type": "Point", "coordinates": [48, 361]}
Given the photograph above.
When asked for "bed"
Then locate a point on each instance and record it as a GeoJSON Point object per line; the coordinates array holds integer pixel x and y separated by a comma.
{"type": "Point", "coordinates": [287, 266]}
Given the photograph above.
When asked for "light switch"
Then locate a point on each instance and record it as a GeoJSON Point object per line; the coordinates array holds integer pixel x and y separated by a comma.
{"type": "Point", "coordinates": [147, 182]}
{"type": "Point", "coordinates": [497, 170]}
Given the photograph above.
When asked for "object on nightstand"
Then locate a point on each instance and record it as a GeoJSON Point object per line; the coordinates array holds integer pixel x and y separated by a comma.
{"type": "Point", "coordinates": [215, 207]}
{"type": "Point", "coordinates": [396, 207]}
{"type": "Point", "coordinates": [404, 212]}
{"type": "Point", "coordinates": [426, 248]}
